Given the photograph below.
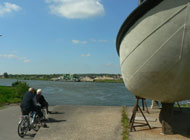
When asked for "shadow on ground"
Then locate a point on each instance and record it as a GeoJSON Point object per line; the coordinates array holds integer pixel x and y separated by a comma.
{"type": "Point", "coordinates": [29, 136]}
{"type": "Point", "coordinates": [56, 112]}
{"type": "Point", "coordinates": [145, 128]}
{"type": "Point", "coordinates": [52, 120]}
{"type": "Point", "coordinates": [181, 122]}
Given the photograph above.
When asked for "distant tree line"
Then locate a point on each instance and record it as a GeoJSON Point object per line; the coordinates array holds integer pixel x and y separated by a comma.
{"type": "Point", "coordinates": [50, 76]}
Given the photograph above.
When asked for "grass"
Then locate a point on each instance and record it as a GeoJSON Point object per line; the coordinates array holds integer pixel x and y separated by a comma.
{"type": "Point", "coordinates": [183, 105]}
{"type": "Point", "coordinates": [125, 125]}
{"type": "Point", "coordinates": [12, 94]}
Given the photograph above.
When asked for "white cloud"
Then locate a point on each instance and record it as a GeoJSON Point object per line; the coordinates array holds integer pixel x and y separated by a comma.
{"type": "Point", "coordinates": [86, 55]}
{"type": "Point", "coordinates": [100, 41]}
{"type": "Point", "coordinates": [8, 8]}
{"type": "Point", "coordinates": [91, 40]}
{"type": "Point", "coordinates": [9, 56]}
{"type": "Point", "coordinates": [12, 56]}
{"type": "Point", "coordinates": [79, 42]}
{"type": "Point", "coordinates": [76, 9]}
{"type": "Point", "coordinates": [75, 41]}
{"type": "Point", "coordinates": [27, 61]}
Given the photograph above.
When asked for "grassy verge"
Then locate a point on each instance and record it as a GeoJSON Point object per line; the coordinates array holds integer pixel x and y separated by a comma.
{"type": "Point", "coordinates": [183, 105]}
{"type": "Point", "coordinates": [110, 81]}
{"type": "Point", "coordinates": [125, 124]}
{"type": "Point", "coordinates": [12, 94]}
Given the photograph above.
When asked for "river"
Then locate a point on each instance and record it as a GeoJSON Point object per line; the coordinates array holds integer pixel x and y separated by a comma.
{"type": "Point", "coordinates": [81, 93]}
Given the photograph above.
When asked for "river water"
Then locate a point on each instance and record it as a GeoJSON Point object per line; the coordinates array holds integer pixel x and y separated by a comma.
{"type": "Point", "coordinates": [81, 93]}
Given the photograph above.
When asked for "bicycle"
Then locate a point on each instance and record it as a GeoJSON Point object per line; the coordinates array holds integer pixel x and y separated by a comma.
{"type": "Point", "coordinates": [28, 122]}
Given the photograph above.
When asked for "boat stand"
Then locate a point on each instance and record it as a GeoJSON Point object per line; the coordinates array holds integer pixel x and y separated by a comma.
{"type": "Point", "coordinates": [144, 104]}
{"type": "Point", "coordinates": [179, 106]}
{"type": "Point", "coordinates": [135, 109]}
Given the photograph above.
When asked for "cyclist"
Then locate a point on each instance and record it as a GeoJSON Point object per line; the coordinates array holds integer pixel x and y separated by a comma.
{"type": "Point", "coordinates": [29, 103]}
{"type": "Point", "coordinates": [41, 100]}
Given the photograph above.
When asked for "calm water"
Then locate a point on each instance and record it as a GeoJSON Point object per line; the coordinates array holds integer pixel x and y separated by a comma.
{"type": "Point", "coordinates": [81, 93]}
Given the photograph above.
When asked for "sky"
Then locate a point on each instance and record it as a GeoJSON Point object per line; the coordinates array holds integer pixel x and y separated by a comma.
{"type": "Point", "coordinates": [61, 36]}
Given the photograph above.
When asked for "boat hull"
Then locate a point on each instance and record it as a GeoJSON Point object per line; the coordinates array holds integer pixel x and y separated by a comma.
{"type": "Point", "coordinates": [155, 53]}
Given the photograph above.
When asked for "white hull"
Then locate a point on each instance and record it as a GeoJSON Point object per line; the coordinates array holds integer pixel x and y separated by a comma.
{"type": "Point", "coordinates": [155, 53]}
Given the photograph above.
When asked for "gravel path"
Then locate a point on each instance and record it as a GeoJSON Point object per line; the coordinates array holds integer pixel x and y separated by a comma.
{"type": "Point", "coordinates": [83, 123]}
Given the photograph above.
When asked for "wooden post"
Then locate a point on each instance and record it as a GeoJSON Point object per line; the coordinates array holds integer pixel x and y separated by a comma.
{"type": "Point", "coordinates": [166, 118]}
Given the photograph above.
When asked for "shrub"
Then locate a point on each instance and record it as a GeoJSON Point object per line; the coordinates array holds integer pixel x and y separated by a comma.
{"type": "Point", "coordinates": [16, 83]}
{"type": "Point", "coordinates": [20, 88]}
{"type": "Point", "coordinates": [12, 94]}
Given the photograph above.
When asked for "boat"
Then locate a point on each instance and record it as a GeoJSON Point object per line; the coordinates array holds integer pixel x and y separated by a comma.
{"type": "Point", "coordinates": [154, 48]}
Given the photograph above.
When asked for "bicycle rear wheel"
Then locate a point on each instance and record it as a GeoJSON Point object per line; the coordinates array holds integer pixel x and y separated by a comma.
{"type": "Point", "coordinates": [36, 124]}
{"type": "Point", "coordinates": [23, 128]}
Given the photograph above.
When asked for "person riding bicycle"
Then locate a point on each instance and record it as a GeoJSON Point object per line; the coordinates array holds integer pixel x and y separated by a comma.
{"type": "Point", "coordinates": [29, 103]}
{"type": "Point", "coordinates": [41, 100]}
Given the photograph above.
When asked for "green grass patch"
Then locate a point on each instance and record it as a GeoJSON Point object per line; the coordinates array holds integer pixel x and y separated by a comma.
{"type": "Point", "coordinates": [183, 105]}
{"type": "Point", "coordinates": [12, 94]}
{"type": "Point", "coordinates": [125, 125]}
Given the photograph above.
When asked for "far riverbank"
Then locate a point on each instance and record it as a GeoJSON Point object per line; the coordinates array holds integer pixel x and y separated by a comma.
{"type": "Point", "coordinates": [114, 78]}
{"type": "Point", "coordinates": [75, 80]}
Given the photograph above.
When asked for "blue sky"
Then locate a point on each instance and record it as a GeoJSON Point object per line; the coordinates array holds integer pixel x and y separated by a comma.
{"type": "Point", "coordinates": [61, 36]}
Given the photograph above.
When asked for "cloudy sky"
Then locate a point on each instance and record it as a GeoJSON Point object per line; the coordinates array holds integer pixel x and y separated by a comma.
{"type": "Point", "coordinates": [61, 36]}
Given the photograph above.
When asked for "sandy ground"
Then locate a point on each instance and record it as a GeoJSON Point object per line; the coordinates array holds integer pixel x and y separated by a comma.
{"type": "Point", "coordinates": [181, 123]}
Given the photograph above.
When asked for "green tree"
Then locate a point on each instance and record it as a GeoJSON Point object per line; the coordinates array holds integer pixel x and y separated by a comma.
{"type": "Point", "coordinates": [5, 75]}
{"type": "Point", "coordinates": [20, 88]}
{"type": "Point", "coordinates": [75, 76]}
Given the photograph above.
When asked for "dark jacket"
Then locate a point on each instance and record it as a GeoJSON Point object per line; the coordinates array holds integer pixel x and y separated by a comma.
{"type": "Point", "coordinates": [40, 99]}
{"type": "Point", "coordinates": [28, 101]}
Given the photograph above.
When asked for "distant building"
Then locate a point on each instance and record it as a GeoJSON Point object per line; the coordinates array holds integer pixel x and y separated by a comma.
{"type": "Point", "coordinates": [103, 78]}
{"type": "Point", "coordinates": [54, 79]}
{"type": "Point", "coordinates": [86, 79]}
